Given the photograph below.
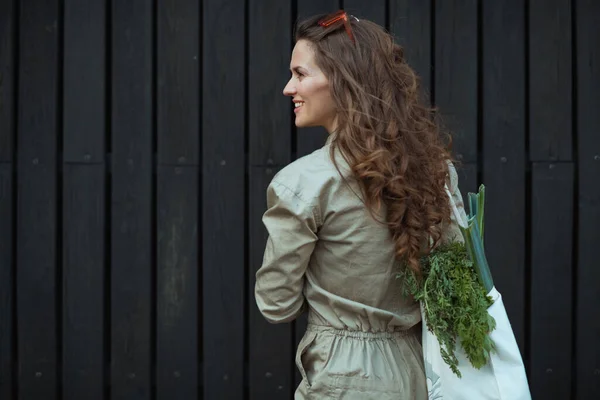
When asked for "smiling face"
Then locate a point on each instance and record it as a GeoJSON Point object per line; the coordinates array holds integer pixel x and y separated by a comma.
{"type": "Point", "coordinates": [309, 89]}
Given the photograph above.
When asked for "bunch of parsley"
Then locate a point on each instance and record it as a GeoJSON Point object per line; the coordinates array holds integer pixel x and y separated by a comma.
{"type": "Point", "coordinates": [453, 290]}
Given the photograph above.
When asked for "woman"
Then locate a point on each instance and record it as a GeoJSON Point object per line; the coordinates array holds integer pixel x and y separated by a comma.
{"type": "Point", "coordinates": [346, 219]}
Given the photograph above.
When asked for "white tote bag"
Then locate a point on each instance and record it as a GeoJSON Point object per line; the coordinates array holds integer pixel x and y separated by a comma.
{"type": "Point", "coordinates": [502, 378]}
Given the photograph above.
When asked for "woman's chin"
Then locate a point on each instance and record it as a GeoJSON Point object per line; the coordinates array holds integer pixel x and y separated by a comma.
{"type": "Point", "coordinates": [300, 123]}
{"type": "Point", "coordinates": [305, 123]}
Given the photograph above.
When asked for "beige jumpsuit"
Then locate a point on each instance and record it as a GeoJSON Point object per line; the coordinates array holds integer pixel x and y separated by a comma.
{"type": "Point", "coordinates": [326, 253]}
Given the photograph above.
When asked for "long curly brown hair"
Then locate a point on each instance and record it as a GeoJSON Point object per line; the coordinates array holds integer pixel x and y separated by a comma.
{"type": "Point", "coordinates": [385, 131]}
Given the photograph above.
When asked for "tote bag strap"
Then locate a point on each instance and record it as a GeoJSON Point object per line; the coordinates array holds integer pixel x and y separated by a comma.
{"type": "Point", "coordinates": [459, 219]}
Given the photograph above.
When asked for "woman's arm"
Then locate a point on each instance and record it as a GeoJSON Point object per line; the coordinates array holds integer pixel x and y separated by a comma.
{"type": "Point", "coordinates": [292, 227]}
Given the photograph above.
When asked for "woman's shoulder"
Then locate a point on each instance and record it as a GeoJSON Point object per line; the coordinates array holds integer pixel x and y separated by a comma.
{"type": "Point", "coordinates": [308, 176]}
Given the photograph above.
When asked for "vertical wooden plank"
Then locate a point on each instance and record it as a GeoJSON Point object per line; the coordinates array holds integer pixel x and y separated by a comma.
{"type": "Point", "coordinates": [588, 141]}
{"type": "Point", "coordinates": [223, 197]}
{"type": "Point", "coordinates": [504, 154]}
{"type": "Point", "coordinates": [551, 280]}
{"type": "Point", "coordinates": [84, 81]}
{"type": "Point", "coordinates": [132, 194]}
{"type": "Point", "coordinates": [83, 200]}
{"type": "Point", "coordinates": [310, 139]}
{"type": "Point", "coordinates": [270, 345]}
{"type": "Point", "coordinates": [83, 281]}
{"type": "Point", "coordinates": [178, 108]}
{"type": "Point", "coordinates": [373, 10]}
{"type": "Point", "coordinates": [410, 23]}
{"type": "Point", "coordinates": [7, 77]}
{"type": "Point", "coordinates": [37, 197]}
{"type": "Point", "coordinates": [550, 80]}
{"type": "Point", "coordinates": [177, 282]}
{"type": "Point", "coordinates": [456, 73]}
{"type": "Point", "coordinates": [454, 87]}
{"type": "Point", "coordinates": [308, 8]}
{"type": "Point", "coordinates": [8, 37]}
{"type": "Point", "coordinates": [467, 180]}
{"type": "Point", "coordinates": [269, 140]}
{"type": "Point", "coordinates": [6, 282]}
{"type": "Point", "coordinates": [178, 91]}
{"type": "Point", "coordinates": [269, 53]}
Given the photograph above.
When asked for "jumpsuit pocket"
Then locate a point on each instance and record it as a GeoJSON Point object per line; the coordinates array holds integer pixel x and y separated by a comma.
{"type": "Point", "coordinates": [305, 343]}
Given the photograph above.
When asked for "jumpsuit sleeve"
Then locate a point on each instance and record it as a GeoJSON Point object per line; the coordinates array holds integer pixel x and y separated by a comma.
{"type": "Point", "coordinates": [292, 228]}
{"type": "Point", "coordinates": [452, 232]}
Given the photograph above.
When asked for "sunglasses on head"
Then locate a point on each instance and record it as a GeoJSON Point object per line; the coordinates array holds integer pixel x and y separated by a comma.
{"type": "Point", "coordinates": [339, 17]}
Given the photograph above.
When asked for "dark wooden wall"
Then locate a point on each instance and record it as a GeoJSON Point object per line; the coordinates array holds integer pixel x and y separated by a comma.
{"type": "Point", "coordinates": [136, 142]}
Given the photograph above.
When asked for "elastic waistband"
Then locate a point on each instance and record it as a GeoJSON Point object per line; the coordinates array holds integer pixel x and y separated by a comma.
{"type": "Point", "coordinates": [362, 334]}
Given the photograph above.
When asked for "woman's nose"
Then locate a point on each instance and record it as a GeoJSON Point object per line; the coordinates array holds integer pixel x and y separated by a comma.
{"type": "Point", "coordinates": [289, 89]}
